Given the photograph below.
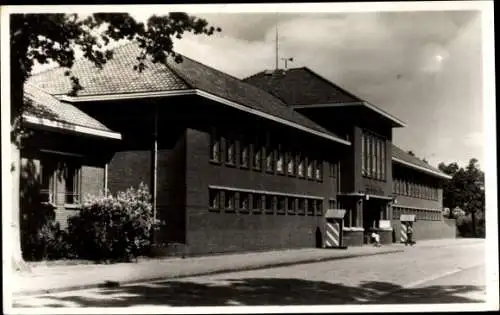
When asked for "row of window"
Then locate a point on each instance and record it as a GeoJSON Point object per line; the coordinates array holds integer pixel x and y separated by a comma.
{"type": "Point", "coordinates": [245, 202]}
{"type": "Point", "coordinates": [420, 214]}
{"type": "Point", "coordinates": [56, 172]}
{"type": "Point", "coordinates": [239, 151]}
{"type": "Point", "coordinates": [409, 188]}
{"type": "Point", "coordinates": [373, 154]}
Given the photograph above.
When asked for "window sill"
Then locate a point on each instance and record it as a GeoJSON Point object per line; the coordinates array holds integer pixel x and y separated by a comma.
{"type": "Point", "coordinates": [269, 212]}
{"type": "Point", "coordinates": [230, 164]}
{"type": "Point", "coordinates": [213, 209]}
{"type": "Point", "coordinates": [353, 229]}
{"type": "Point", "coordinates": [72, 206]}
{"type": "Point", "coordinates": [243, 211]}
{"type": "Point", "coordinates": [244, 166]}
{"type": "Point", "coordinates": [49, 204]}
{"type": "Point", "coordinates": [215, 162]}
{"type": "Point", "coordinates": [281, 213]}
{"type": "Point", "coordinates": [230, 210]}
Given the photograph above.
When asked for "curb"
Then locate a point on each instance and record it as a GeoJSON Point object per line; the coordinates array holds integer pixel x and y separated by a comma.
{"type": "Point", "coordinates": [110, 284]}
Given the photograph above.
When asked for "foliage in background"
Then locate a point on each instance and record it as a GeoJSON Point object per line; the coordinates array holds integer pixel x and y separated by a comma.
{"type": "Point", "coordinates": [114, 228]}
{"type": "Point", "coordinates": [42, 38]}
{"type": "Point", "coordinates": [465, 190]}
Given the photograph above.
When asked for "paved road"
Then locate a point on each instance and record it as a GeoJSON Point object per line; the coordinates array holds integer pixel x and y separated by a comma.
{"type": "Point", "coordinates": [453, 274]}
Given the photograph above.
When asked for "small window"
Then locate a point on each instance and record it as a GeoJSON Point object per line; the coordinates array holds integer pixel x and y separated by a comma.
{"type": "Point", "coordinates": [291, 164]}
{"type": "Point", "coordinates": [347, 218]}
{"type": "Point", "coordinates": [302, 206]}
{"type": "Point", "coordinates": [311, 203]}
{"type": "Point", "coordinates": [244, 159]}
{"type": "Point", "coordinates": [269, 159]}
{"type": "Point", "coordinates": [281, 204]}
{"type": "Point", "coordinates": [215, 147]}
{"type": "Point", "coordinates": [319, 207]}
{"type": "Point", "coordinates": [279, 161]}
{"type": "Point", "coordinates": [309, 169]}
{"type": "Point", "coordinates": [331, 204]}
{"type": "Point", "coordinates": [229, 200]}
{"type": "Point", "coordinates": [244, 201]}
{"type": "Point", "coordinates": [72, 179]}
{"type": "Point", "coordinates": [291, 205]}
{"type": "Point", "coordinates": [268, 203]}
{"type": "Point", "coordinates": [230, 158]}
{"type": "Point", "coordinates": [48, 180]}
{"type": "Point", "coordinates": [318, 174]}
{"type": "Point", "coordinates": [332, 167]}
{"type": "Point", "coordinates": [256, 202]}
{"type": "Point", "coordinates": [300, 166]}
{"type": "Point", "coordinates": [214, 197]}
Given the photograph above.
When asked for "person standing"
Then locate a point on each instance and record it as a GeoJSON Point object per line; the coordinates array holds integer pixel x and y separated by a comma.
{"type": "Point", "coordinates": [409, 234]}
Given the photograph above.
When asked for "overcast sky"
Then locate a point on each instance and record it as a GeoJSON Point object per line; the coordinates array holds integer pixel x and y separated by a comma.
{"type": "Point", "coordinates": [422, 67]}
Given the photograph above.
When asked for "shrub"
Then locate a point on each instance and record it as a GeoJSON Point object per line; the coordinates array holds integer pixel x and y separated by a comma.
{"type": "Point", "coordinates": [41, 236]}
{"type": "Point", "coordinates": [113, 228]}
{"type": "Point", "coordinates": [465, 228]}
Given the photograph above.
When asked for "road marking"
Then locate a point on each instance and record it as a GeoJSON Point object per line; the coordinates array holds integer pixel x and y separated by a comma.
{"type": "Point", "coordinates": [435, 277]}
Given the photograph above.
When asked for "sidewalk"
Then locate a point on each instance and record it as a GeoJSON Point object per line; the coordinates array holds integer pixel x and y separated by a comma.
{"type": "Point", "coordinates": [49, 279]}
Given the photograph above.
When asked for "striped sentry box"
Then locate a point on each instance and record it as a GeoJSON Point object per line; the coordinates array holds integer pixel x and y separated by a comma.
{"type": "Point", "coordinates": [404, 235]}
{"type": "Point", "coordinates": [332, 234]}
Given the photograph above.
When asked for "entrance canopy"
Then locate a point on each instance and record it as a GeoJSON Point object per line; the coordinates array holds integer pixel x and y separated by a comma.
{"type": "Point", "coordinates": [407, 218]}
{"type": "Point", "coordinates": [335, 214]}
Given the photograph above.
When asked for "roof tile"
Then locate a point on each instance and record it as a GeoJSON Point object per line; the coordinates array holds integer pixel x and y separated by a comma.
{"type": "Point", "coordinates": [43, 105]}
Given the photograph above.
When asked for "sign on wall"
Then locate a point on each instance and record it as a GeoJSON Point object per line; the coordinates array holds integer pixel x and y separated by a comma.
{"type": "Point", "coordinates": [385, 224]}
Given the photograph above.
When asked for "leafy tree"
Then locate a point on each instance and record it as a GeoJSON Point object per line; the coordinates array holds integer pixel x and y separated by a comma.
{"type": "Point", "coordinates": [465, 189]}
{"type": "Point", "coordinates": [44, 38]}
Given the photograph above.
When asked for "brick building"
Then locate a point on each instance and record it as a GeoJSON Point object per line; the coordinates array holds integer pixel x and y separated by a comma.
{"type": "Point", "coordinates": [232, 164]}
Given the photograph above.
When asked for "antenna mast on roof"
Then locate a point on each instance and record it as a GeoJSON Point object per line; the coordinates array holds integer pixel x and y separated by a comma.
{"type": "Point", "coordinates": [277, 44]}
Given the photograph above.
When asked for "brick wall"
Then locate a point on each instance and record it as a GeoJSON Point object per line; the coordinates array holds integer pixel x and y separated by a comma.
{"type": "Point", "coordinates": [221, 232]}
{"type": "Point", "coordinates": [128, 169]}
{"type": "Point", "coordinates": [427, 230]}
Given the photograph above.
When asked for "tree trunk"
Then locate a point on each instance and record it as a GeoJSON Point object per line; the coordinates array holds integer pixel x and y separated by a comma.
{"type": "Point", "coordinates": [18, 263]}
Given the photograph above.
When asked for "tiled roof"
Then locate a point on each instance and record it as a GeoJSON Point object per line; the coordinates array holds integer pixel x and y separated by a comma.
{"type": "Point", "coordinates": [118, 76]}
{"type": "Point", "coordinates": [43, 105]}
{"type": "Point", "coordinates": [301, 86]}
{"type": "Point", "coordinates": [401, 155]}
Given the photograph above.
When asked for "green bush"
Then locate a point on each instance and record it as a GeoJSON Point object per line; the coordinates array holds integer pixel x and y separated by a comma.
{"type": "Point", "coordinates": [113, 228]}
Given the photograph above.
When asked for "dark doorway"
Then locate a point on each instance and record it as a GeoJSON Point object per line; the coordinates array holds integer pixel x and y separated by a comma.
{"type": "Point", "coordinates": [319, 238]}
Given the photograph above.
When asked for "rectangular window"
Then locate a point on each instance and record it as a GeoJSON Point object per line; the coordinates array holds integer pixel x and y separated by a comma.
{"type": "Point", "coordinates": [311, 203]}
{"type": "Point", "coordinates": [331, 169]}
{"type": "Point", "coordinates": [72, 180]}
{"type": "Point", "coordinates": [309, 168]}
{"type": "Point", "coordinates": [257, 155]}
{"type": "Point", "coordinates": [214, 199]}
{"type": "Point", "coordinates": [354, 216]}
{"type": "Point", "coordinates": [319, 207]}
{"type": "Point", "coordinates": [279, 160]}
{"type": "Point", "coordinates": [244, 201]}
{"type": "Point", "coordinates": [373, 158]}
{"type": "Point", "coordinates": [256, 202]}
{"type": "Point", "coordinates": [368, 156]}
{"type": "Point", "coordinates": [347, 218]}
{"type": "Point", "coordinates": [215, 147]}
{"type": "Point", "coordinates": [268, 203]}
{"type": "Point", "coordinates": [300, 166]}
{"type": "Point", "coordinates": [48, 180]}
{"type": "Point", "coordinates": [382, 158]}
{"type": "Point", "coordinates": [230, 148]}
{"type": "Point", "coordinates": [291, 163]}
{"type": "Point", "coordinates": [229, 200]}
{"type": "Point", "coordinates": [302, 206]}
{"type": "Point", "coordinates": [331, 204]}
{"type": "Point", "coordinates": [376, 173]}
{"type": "Point", "coordinates": [244, 158]}
{"type": "Point", "coordinates": [291, 205]}
{"type": "Point", "coordinates": [363, 154]}
{"type": "Point", "coordinates": [318, 174]}
{"type": "Point", "coordinates": [281, 206]}
{"type": "Point", "coordinates": [269, 159]}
